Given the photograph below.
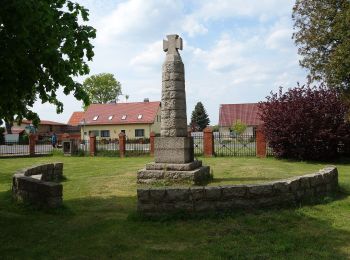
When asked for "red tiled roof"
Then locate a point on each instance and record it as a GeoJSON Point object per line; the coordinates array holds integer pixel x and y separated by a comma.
{"type": "Point", "coordinates": [76, 118]}
{"type": "Point", "coordinates": [247, 113]}
{"type": "Point", "coordinates": [148, 110]}
{"type": "Point", "coordinates": [43, 122]}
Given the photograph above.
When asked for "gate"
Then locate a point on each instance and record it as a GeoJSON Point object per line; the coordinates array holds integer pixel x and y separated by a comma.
{"type": "Point", "coordinates": [230, 144]}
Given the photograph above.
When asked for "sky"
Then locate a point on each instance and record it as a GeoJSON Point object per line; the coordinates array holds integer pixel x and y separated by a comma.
{"type": "Point", "coordinates": [234, 51]}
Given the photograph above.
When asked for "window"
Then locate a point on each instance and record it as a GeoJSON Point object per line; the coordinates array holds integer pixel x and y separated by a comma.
{"type": "Point", "coordinates": [105, 133]}
{"type": "Point", "coordinates": [95, 118]}
{"type": "Point", "coordinates": [139, 116]}
{"type": "Point", "coordinates": [110, 117]}
{"type": "Point", "coordinates": [139, 132]}
{"type": "Point", "coordinates": [95, 132]}
{"type": "Point", "coordinates": [123, 117]}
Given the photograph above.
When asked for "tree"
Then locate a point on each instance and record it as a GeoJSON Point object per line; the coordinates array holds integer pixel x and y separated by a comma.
{"type": "Point", "coordinates": [2, 138]}
{"type": "Point", "coordinates": [239, 127]}
{"type": "Point", "coordinates": [102, 88]}
{"type": "Point", "coordinates": [323, 38]}
{"type": "Point", "coordinates": [199, 118]}
{"type": "Point", "coordinates": [42, 47]}
{"type": "Point", "coordinates": [305, 123]}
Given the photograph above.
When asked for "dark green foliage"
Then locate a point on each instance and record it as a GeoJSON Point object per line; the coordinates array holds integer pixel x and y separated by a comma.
{"type": "Point", "coordinates": [323, 38]}
{"type": "Point", "coordinates": [199, 118]}
{"type": "Point", "coordinates": [102, 88]}
{"type": "Point", "coordinates": [42, 47]}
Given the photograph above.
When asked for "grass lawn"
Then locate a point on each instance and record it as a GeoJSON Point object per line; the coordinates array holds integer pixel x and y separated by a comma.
{"type": "Point", "coordinates": [99, 217]}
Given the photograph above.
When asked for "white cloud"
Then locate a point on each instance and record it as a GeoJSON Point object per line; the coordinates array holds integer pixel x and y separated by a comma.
{"type": "Point", "coordinates": [138, 19]}
{"type": "Point", "coordinates": [150, 58]}
{"type": "Point", "coordinates": [193, 27]}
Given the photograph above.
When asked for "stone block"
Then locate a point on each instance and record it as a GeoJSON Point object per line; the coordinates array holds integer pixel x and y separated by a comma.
{"type": "Point", "coordinates": [242, 203]}
{"type": "Point", "coordinates": [157, 194]}
{"type": "Point", "coordinates": [197, 193]}
{"type": "Point", "coordinates": [317, 180]}
{"type": "Point", "coordinates": [172, 94]}
{"type": "Point", "coordinates": [175, 76]}
{"type": "Point", "coordinates": [173, 67]}
{"type": "Point", "coordinates": [173, 150]}
{"type": "Point", "coordinates": [50, 189]}
{"type": "Point", "coordinates": [304, 182]}
{"type": "Point", "coordinates": [260, 190]}
{"type": "Point", "coordinates": [146, 207]}
{"type": "Point", "coordinates": [236, 191]}
{"type": "Point", "coordinates": [143, 195]}
{"type": "Point", "coordinates": [280, 186]}
{"type": "Point", "coordinates": [212, 193]}
{"type": "Point", "coordinates": [174, 123]}
{"type": "Point", "coordinates": [150, 174]}
{"type": "Point", "coordinates": [178, 132]}
{"type": "Point", "coordinates": [173, 113]}
{"type": "Point", "coordinates": [185, 206]}
{"type": "Point", "coordinates": [294, 184]}
{"type": "Point", "coordinates": [174, 167]}
{"type": "Point", "coordinates": [173, 86]}
{"type": "Point", "coordinates": [204, 206]}
{"type": "Point", "coordinates": [27, 184]}
{"type": "Point", "coordinates": [177, 194]}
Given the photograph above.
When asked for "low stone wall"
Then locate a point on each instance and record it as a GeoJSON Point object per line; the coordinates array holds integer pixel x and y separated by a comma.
{"type": "Point", "coordinates": [289, 192]}
{"type": "Point", "coordinates": [38, 185]}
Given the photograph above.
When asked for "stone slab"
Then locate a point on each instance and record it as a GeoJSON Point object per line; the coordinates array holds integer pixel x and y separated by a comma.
{"type": "Point", "coordinates": [198, 175]}
{"type": "Point", "coordinates": [173, 150]}
{"type": "Point", "coordinates": [174, 167]}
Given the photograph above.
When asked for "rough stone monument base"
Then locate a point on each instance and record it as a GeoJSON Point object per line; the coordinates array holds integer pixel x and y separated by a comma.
{"type": "Point", "coordinates": [180, 172]}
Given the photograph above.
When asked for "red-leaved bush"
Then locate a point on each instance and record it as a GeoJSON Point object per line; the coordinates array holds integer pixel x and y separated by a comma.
{"type": "Point", "coordinates": [305, 123]}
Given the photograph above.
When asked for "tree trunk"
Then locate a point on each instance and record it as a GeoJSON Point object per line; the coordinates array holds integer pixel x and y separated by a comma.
{"type": "Point", "coordinates": [8, 126]}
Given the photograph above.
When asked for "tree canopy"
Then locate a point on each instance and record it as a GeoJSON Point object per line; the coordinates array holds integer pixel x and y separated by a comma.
{"type": "Point", "coordinates": [199, 118]}
{"type": "Point", "coordinates": [102, 88]}
{"type": "Point", "coordinates": [239, 127]}
{"type": "Point", "coordinates": [323, 37]}
{"type": "Point", "coordinates": [42, 48]}
{"type": "Point", "coordinates": [305, 123]}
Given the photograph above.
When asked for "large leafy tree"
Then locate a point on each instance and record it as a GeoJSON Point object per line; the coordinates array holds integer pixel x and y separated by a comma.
{"type": "Point", "coordinates": [305, 123]}
{"type": "Point", "coordinates": [323, 37]}
{"type": "Point", "coordinates": [199, 118]}
{"type": "Point", "coordinates": [43, 46]}
{"type": "Point", "coordinates": [102, 88]}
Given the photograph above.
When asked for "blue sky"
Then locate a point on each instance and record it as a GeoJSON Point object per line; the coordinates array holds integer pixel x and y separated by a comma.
{"type": "Point", "coordinates": [234, 51]}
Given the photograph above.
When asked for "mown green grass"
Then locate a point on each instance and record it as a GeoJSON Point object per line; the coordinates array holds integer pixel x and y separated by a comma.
{"type": "Point", "coordinates": [99, 219]}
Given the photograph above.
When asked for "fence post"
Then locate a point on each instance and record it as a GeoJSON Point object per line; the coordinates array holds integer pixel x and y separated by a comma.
{"type": "Point", "coordinates": [32, 138]}
{"type": "Point", "coordinates": [208, 142]}
{"type": "Point", "coordinates": [92, 144]}
{"type": "Point", "coordinates": [260, 143]}
{"type": "Point", "coordinates": [151, 143]}
{"type": "Point", "coordinates": [122, 141]}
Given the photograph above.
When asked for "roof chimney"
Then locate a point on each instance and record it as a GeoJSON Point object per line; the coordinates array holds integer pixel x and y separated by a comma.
{"type": "Point", "coordinates": [146, 100]}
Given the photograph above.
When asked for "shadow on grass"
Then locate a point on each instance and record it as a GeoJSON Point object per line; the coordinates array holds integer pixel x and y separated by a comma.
{"type": "Point", "coordinates": [109, 227]}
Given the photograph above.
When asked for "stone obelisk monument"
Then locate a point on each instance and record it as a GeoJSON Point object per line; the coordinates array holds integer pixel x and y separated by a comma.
{"type": "Point", "coordinates": [174, 157]}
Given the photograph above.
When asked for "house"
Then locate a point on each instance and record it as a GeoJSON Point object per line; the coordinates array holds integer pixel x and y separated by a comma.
{"type": "Point", "coordinates": [135, 119]}
{"type": "Point", "coordinates": [44, 129]}
{"type": "Point", "coordinates": [246, 113]}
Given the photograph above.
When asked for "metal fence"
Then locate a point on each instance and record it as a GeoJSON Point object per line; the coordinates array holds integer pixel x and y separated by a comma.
{"type": "Point", "coordinates": [198, 145]}
{"type": "Point", "coordinates": [14, 148]}
{"type": "Point", "coordinates": [137, 146]}
{"type": "Point", "coordinates": [229, 144]}
{"type": "Point", "coordinates": [43, 147]}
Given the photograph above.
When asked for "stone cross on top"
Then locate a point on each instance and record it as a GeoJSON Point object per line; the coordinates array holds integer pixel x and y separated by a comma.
{"type": "Point", "coordinates": [173, 43]}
